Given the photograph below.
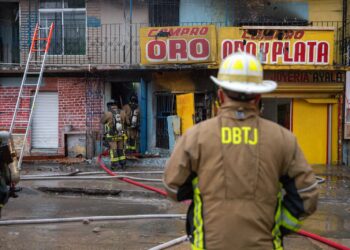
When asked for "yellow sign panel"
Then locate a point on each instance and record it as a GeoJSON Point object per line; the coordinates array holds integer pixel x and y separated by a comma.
{"type": "Point", "coordinates": [279, 46]}
{"type": "Point", "coordinates": [185, 110]}
{"type": "Point", "coordinates": [192, 44]}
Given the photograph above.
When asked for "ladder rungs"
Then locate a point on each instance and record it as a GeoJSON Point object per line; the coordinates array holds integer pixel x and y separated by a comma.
{"type": "Point", "coordinates": [38, 50]}
{"type": "Point", "coordinates": [30, 84]}
{"type": "Point", "coordinates": [23, 128]}
{"type": "Point", "coordinates": [41, 39]}
{"type": "Point", "coordinates": [17, 134]}
{"type": "Point", "coordinates": [33, 73]}
{"type": "Point", "coordinates": [27, 109]}
{"type": "Point", "coordinates": [21, 121]}
{"type": "Point", "coordinates": [27, 96]}
{"type": "Point", "coordinates": [44, 28]}
{"type": "Point", "coordinates": [36, 61]}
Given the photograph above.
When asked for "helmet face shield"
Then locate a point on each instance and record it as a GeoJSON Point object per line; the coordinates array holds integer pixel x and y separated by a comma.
{"type": "Point", "coordinates": [243, 73]}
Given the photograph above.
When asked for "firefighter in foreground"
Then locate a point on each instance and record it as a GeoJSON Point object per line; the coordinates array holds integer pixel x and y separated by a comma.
{"type": "Point", "coordinates": [132, 112]}
{"type": "Point", "coordinates": [235, 165]}
{"type": "Point", "coordinates": [114, 120]}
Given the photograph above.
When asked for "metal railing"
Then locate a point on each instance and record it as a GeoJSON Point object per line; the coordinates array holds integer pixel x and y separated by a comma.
{"type": "Point", "coordinates": [119, 44]}
{"type": "Point", "coordinates": [341, 40]}
{"type": "Point", "coordinates": [9, 53]}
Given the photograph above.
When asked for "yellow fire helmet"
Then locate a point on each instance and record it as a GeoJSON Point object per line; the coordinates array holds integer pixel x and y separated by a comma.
{"type": "Point", "coordinates": [243, 73]}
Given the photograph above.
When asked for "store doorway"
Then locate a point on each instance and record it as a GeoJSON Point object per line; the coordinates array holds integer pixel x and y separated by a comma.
{"type": "Point", "coordinates": [277, 110]}
{"type": "Point", "coordinates": [122, 91]}
{"type": "Point", "coordinates": [314, 122]}
{"type": "Point", "coordinates": [168, 104]}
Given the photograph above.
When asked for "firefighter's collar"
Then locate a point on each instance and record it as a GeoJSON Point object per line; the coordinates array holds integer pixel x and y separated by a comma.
{"type": "Point", "coordinates": [239, 110]}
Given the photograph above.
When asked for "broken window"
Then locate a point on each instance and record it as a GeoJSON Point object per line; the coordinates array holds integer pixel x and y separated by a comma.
{"type": "Point", "coordinates": [270, 13]}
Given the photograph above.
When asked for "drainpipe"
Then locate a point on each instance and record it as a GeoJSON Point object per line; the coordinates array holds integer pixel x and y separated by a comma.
{"type": "Point", "coordinates": [329, 134]}
{"type": "Point", "coordinates": [29, 25]}
{"type": "Point", "coordinates": [226, 13]}
{"type": "Point", "coordinates": [345, 10]}
{"type": "Point", "coordinates": [130, 42]}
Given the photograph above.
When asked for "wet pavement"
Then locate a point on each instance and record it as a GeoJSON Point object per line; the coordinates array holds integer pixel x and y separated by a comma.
{"type": "Point", "coordinates": [332, 219]}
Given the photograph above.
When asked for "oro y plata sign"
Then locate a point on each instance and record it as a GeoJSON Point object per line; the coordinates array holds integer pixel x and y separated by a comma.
{"type": "Point", "coordinates": [188, 44]}
{"type": "Point", "coordinates": [279, 45]}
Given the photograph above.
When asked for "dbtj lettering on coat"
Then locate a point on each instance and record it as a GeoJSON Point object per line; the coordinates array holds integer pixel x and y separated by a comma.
{"type": "Point", "coordinates": [239, 135]}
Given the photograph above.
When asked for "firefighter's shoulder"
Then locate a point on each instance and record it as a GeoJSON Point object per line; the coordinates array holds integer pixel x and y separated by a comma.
{"type": "Point", "coordinates": [207, 127]}
{"type": "Point", "coordinates": [273, 130]}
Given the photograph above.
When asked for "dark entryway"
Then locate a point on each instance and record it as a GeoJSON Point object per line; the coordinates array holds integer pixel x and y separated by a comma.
{"type": "Point", "coordinates": [277, 110]}
{"type": "Point", "coordinates": [122, 91]}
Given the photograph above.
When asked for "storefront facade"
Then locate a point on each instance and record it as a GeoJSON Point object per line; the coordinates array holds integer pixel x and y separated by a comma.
{"type": "Point", "coordinates": [309, 103]}
{"type": "Point", "coordinates": [309, 97]}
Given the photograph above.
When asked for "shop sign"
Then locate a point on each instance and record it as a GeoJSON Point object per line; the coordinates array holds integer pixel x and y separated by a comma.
{"type": "Point", "coordinates": [279, 47]}
{"type": "Point", "coordinates": [306, 76]}
{"type": "Point", "coordinates": [161, 45]}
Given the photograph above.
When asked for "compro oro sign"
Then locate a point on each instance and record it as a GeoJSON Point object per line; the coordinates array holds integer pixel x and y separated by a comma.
{"type": "Point", "coordinates": [193, 44]}
{"type": "Point", "coordinates": [280, 45]}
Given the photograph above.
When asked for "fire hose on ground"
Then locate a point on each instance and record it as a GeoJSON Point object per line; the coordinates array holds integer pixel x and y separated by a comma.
{"type": "Point", "coordinates": [36, 178]}
{"type": "Point", "coordinates": [91, 218]}
{"type": "Point", "coordinates": [162, 192]}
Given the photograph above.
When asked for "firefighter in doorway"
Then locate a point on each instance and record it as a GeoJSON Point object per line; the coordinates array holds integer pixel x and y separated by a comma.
{"type": "Point", "coordinates": [132, 112]}
{"type": "Point", "coordinates": [114, 120]}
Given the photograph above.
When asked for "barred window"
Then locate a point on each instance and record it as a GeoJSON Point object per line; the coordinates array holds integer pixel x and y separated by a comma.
{"type": "Point", "coordinates": [69, 18]}
{"type": "Point", "coordinates": [164, 12]}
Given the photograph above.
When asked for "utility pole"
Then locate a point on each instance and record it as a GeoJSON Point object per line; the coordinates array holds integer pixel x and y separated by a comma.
{"type": "Point", "coordinates": [130, 42]}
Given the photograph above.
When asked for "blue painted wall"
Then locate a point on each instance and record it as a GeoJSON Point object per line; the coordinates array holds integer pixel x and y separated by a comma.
{"type": "Point", "coordinates": [143, 105]}
{"type": "Point", "coordinates": [151, 109]}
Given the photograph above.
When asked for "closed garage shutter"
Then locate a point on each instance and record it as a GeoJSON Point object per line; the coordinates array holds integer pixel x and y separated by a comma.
{"type": "Point", "coordinates": [45, 121]}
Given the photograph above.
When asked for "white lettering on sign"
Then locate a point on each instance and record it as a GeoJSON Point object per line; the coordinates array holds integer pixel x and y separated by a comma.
{"type": "Point", "coordinates": [301, 52]}
{"type": "Point", "coordinates": [178, 50]}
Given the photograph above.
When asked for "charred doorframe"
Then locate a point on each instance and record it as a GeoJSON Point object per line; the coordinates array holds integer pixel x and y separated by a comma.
{"type": "Point", "coordinates": [343, 33]}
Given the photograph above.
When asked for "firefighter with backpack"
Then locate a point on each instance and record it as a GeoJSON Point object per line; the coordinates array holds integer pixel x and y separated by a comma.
{"type": "Point", "coordinates": [114, 121]}
{"type": "Point", "coordinates": [132, 113]}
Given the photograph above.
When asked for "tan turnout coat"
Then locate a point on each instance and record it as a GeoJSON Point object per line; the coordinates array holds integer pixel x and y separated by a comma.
{"type": "Point", "coordinates": [234, 164]}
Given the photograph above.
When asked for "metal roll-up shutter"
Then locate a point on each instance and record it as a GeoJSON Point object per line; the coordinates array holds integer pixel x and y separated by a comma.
{"type": "Point", "coordinates": [45, 121]}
